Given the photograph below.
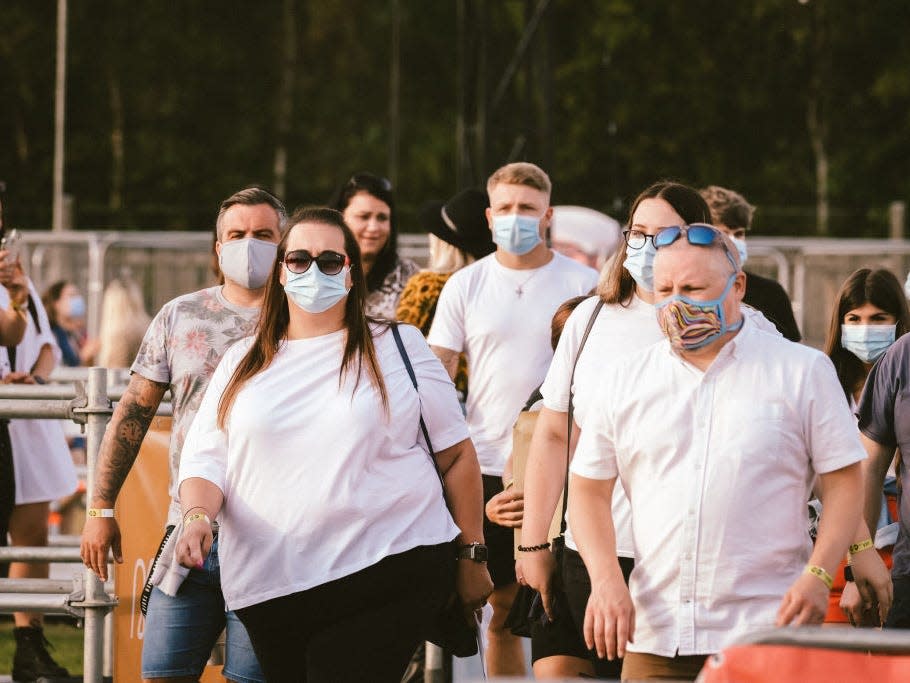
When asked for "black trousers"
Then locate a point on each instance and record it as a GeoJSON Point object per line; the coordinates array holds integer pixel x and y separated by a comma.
{"type": "Point", "coordinates": [7, 489]}
{"type": "Point", "coordinates": [577, 585]}
{"type": "Point", "coordinates": [362, 627]}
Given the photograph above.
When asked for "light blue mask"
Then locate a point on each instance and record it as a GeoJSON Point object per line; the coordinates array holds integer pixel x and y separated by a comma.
{"type": "Point", "coordinates": [314, 291]}
{"type": "Point", "coordinates": [867, 342]}
{"type": "Point", "coordinates": [741, 248]}
{"type": "Point", "coordinates": [76, 307]}
{"type": "Point", "coordinates": [516, 234]}
{"type": "Point", "coordinates": [640, 264]}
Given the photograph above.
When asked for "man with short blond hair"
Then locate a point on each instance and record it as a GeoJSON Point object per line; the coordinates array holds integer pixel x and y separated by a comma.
{"type": "Point", "coordinates": [498, 312]}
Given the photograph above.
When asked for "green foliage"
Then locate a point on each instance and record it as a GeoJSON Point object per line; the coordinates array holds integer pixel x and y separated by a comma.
{"type": "Point", "coordinates": [610, 96]}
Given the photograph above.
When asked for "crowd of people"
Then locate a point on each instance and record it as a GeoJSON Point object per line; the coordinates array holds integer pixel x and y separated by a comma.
{"type": "Point", "coordinates": [342, 461]}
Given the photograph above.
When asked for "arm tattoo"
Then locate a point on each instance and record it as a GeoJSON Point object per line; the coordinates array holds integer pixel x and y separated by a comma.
{"type": "Point", "coordinates": [124, 436]}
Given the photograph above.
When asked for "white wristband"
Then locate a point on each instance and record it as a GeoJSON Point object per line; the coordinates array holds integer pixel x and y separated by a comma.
{"type": "Point", "coordinates": [100, 512]}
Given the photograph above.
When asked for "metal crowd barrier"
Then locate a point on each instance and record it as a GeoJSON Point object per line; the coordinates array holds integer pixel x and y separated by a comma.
{"type": "Point", "coordinates": [885, 642]}
{"type": "Point", "coordinates": [85, 597]}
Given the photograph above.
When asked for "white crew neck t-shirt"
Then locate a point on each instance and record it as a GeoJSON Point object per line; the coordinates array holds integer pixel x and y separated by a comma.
{"type": "Point", "coordinates": [500, 318]}
{"type": "Point", "coordinates": [317, 483]}
{"type": "Point", "coordinates": [618, 331]}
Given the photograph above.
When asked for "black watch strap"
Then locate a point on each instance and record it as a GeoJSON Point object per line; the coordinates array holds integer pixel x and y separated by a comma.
{"type": "Point", "coordinates": [473, 551]}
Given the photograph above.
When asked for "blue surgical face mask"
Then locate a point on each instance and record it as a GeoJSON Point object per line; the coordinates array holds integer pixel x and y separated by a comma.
{"type": "Point", "coordinates": [76, 307]}
{"type": "Point", "coordinates": [867, 342]}
{"type": "Point", "coordinates": [314, 291]}
{"type": "Point", "coordinates": [516, 234]}
{"type": "Point", "coordinates": [690, 324]}
{"type": "Point", "coordinates": [741, 248]}
{"type": "Point", "coordinates": [640, 264]}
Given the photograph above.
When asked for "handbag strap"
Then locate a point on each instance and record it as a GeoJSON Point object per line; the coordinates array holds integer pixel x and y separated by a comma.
{"type": "Point", "coordinates": [571, 413]}
{"type": "Point", "coordinates": [423, 425]}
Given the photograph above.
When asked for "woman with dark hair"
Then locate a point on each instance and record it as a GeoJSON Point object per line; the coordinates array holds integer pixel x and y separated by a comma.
{"type": "Point", "coordinates": [66, 309]}
{"type": "Point", "coordinates": [368, 205]}
{"type": "Point", "coordinates": [308, 443]}
{"type": "Point", "coordinates": [622, 320]}
{"type": "Point", "coordinates": [869, 315]}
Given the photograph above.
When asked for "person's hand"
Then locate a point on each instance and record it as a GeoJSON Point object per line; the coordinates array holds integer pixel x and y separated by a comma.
{"type": "Point", "coordinates": [13, 278]}
{"type": "Point", "coordinates": [195, 543]}
{"type": "Point", "coordinates": [99, 535]}
{"type": "Point", "coordinates": [538, 569]}
{"type": "Point", "coordinates": [851, 602]}
{"type": "Point", "coordinates": [506, 508]}
{"type": "Point", "coordinates": [873, 581]}
{"type": "Point", "coordinates": [806, 602]}
{"type": "Point", "coordinates": [18, 378]}
{"type": "Point", "coordinates": [473, 585]}
{"type": "Point", "coordinates": [609, 618]}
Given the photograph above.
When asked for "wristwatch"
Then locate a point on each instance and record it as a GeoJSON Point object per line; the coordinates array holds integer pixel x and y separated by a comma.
{"type": "Point", "coordinates": [473, 551]}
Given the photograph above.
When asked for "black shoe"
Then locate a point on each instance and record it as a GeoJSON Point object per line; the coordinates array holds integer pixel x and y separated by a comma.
{"type": "Point", "coordinates": [32, 660]}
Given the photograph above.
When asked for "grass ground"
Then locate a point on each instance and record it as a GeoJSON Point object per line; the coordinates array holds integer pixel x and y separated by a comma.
{"type": "Point", "coordinates": [63, 635]}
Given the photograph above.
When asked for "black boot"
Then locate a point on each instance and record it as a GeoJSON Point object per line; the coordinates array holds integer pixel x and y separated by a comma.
{"type": "Point", "coordinates": [32, 660]}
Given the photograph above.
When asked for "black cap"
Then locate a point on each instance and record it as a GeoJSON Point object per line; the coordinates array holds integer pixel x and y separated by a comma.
{"type": "Point", "coordinates": [461, 221]}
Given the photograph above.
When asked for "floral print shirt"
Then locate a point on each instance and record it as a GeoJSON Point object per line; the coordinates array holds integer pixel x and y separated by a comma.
{"type": "Point", "coordinates": [382, 302]}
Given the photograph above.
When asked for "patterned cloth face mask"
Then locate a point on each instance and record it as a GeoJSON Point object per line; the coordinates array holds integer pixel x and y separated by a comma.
{"type": "Point", "coordinates": [691, 324]}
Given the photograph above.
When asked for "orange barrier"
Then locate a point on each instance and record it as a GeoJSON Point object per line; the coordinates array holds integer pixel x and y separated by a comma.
{"type": "Point", "coordinates": [141, 512]}
{"type": "Point", "coordinates": [789, 664]}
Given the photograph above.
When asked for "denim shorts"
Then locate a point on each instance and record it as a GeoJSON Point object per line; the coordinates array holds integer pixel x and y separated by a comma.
{"type": "Point", "coordinates": [180, 631]}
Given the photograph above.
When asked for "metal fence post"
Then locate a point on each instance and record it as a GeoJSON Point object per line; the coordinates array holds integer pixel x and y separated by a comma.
{"type": "Point", "coordinates": [97, 412]}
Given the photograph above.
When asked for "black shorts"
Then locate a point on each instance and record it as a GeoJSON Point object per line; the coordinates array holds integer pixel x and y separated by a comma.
{"type": "Point", "coordinates": [899, 616]}
{"type": "Point", "coordinates": [557, 637]}
{"type": "Point", "coordinates": [500, 540]}
{"type": "Point", "coordinates": [577, 586]}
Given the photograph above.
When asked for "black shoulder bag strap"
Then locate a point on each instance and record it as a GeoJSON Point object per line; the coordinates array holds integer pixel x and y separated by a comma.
{"type": "Point", "coordinates": [571, 414]}
{"type": "Point", "coordinates": [423, 426]}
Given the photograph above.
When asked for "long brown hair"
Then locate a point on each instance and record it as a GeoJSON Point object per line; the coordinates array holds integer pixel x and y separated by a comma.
{"type": "Point", "coordinates": [273, 323]}
{"type": "Point", "coordinates": [880, 288]}
{"type": "Point", "coordinates": [617, 287]}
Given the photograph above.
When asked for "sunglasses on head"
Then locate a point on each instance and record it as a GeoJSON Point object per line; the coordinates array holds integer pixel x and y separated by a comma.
{"type": "Point", "coordinates": [698, 234]}
{"type": "Point", "coordinates": [363, 179]}
{"type": "Point", "coordinates": [329, 262]}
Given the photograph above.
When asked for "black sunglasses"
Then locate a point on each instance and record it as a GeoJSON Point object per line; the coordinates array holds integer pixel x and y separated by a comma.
{"type": "Point", "coordinates": [329, 262]}
{"type": "Point", "coordinates": [367, 180]}
{"type": "Point", "coordinates": [698, 234]}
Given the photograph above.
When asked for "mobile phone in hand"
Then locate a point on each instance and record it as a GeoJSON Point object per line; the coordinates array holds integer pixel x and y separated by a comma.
{"type": "Point", "coordinates": [11, 242]}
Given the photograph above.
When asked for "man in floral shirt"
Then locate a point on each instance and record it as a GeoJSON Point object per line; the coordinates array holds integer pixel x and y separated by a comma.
{"type": "Point", "coordinates": [181, 349]}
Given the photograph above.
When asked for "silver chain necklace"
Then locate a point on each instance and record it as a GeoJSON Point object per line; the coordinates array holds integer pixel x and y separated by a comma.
{"type": "Point", "coordinates": [519, 290]}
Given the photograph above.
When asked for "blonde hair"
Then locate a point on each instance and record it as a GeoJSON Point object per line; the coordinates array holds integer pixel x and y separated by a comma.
{"type": "Point", "coordinates": [521, 173]}
{"type": "Point", "coordinates": [445, 257]}
{"type": "Point", "coordinates": [123, 324]}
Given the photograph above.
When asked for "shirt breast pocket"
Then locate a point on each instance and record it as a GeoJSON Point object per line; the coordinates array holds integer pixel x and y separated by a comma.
{"type": "Point", "coordinates": [756, 429]}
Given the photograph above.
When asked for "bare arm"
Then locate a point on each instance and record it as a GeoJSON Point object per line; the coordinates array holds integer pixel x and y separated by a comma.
{"type": "Point", "coordinates": [13, 319]}
{"type": "Point", "coordinates": [449, 359]}
{"type": "Point", "coordinates": [875, 467]}
{"type": "Point", "coordinates": [119, 448]}
{"type": "Point", "coordinates": [44, 366]}
{"type": "Point", "coordinates": [464, 496]}
{"type": "Point", "coordinates": [201, 496]}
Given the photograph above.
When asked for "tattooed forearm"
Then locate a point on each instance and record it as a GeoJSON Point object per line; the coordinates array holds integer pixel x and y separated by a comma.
{"type": "Point", "coordinates": [124, 435]}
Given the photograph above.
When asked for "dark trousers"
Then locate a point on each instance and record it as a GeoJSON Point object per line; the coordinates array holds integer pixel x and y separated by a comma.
{"type": "Point", "coordinates": [362, 627]}
{"type": "Point", "coordinates": [899, 616]}
{"type": "Point", "coordinates": [577, 585]}
{"type": "Point", "coordinates": [7, 489]}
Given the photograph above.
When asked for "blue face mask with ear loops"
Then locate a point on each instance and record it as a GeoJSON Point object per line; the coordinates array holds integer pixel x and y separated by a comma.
{"type": "Point", "coordinates": [640, 264]}
{"type": "Point", "coordinates": [867, 342]}
{"type": "Point", "coordinates": [516, 234]}
{"type": "Point", "coordinates": [314, 291]}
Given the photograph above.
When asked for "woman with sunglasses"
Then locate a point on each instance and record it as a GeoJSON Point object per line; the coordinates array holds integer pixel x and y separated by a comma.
{"type": "Point", "coordinates": [870, 313]}
{"type": "Point", "coordinates": [622, 320]}
{"type": "Point", "coordinates": [368, 205]}
{"type": "Point", "coordinates": [336, 542]}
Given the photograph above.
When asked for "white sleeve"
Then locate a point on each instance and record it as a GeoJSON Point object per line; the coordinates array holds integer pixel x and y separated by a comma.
{"type": "Point", "coordinates": [205, 448]}
{"type": "Point", "coordinates": [448, 330]}
{"type": "Point", "coordinates": [439, 404]}
{"type": "Point", "coordinates": [831, 433]}
{"type": "Point", "coordinates": [555, 387]}
{"type": "Point", "coordinates": [595, 455]}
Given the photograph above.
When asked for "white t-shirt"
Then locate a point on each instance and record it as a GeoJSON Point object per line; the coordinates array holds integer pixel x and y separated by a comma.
{"type": "Point", "coordinates": [618, 331]}
{"type": "Point", "coordinates": [718, 466]}
{"type": "Point", "coordinates": [505, 337]}
{"type": "Point", "coordinates": [318, 484]}
{"type": "Point", "coordinates": [42, 463]}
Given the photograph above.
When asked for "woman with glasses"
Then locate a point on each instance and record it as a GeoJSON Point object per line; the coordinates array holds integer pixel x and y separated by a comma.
{"type": "Point", "coordinates": [335, 537]}
{"type": "Point", "coordinates": [622, 320]}
{"type": "Point", "coordinates": [869, 314]}
{"type": "Point", "coordinates": [368, 205]}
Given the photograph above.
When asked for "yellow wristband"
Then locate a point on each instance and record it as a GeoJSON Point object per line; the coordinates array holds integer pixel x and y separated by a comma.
{"type": "Point", "coordinates": [820, 572]}
{"type": "Point", "coordinates": [100, 512]}
{"type": "Point", "coordinates": [860, 547]}
{"type": "Point", "coordinates": [21, 309]}
{"type": "Point", "coordinates": [196, 517]}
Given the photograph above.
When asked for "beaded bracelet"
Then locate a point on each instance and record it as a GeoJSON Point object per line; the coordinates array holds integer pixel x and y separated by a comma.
{"type": "Point", "coordinates": [533, 548]}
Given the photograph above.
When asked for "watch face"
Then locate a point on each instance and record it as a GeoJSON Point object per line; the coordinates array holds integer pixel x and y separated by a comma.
{"type": "Point", "coordinates": [480, 553]}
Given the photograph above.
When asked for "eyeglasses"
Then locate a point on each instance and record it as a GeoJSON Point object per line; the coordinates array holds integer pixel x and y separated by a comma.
{"type": "Point", "coordinates": [636, 239]}
{"type": "Point", "coordinates": [329, 262]}
{"type": "Point", "coordinates": [698, 234]}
